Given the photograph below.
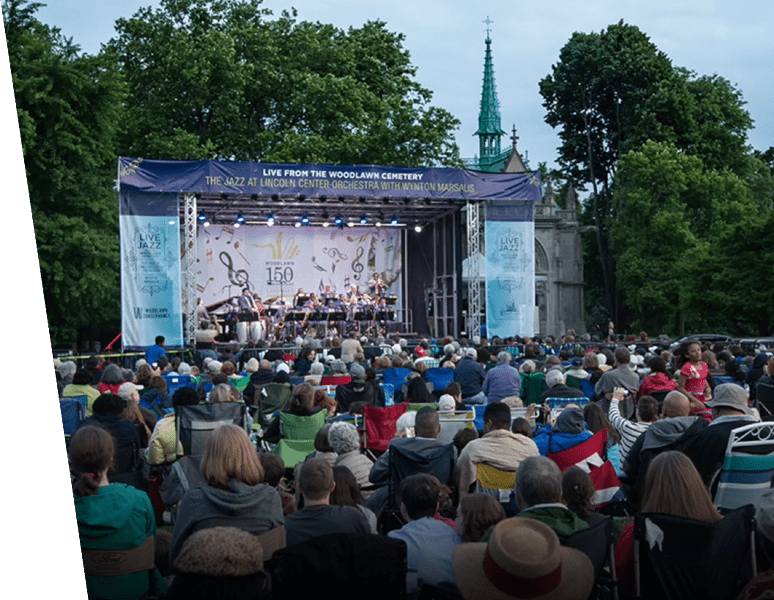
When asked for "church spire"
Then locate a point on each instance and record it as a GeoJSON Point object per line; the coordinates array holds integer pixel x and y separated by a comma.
{"type": "Point", "coordinates": [489, 130]}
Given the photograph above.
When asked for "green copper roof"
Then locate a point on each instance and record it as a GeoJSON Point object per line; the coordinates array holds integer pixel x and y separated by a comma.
{"type": "Point", "coordinates": [489, 116]}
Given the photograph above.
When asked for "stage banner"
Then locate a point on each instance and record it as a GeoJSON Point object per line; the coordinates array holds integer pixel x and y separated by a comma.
{"type": "Point", "coordinates": [510, 269]}
{"type": "Point", "coordinates": [151, 301]}
{"type": "Point", "coordinates": [277, 262]}
{"type": "Point", "coordinates": [266, 179]}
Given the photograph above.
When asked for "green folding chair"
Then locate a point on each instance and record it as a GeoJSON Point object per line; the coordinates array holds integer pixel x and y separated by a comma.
{"type": "Point", "coordinates": [298, 434]}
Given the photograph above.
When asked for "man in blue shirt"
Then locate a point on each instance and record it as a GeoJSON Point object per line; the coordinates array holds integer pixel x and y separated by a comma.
{"type": "Point", "coordinates": [153, 353]}
{"type": "Point", "coordinates": [501, 381]}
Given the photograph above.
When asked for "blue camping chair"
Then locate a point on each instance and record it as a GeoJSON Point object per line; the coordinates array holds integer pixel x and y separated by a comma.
{"type": "Point", "coordinates": [439, 377]}
{"type": "Point", "coordinates": [73, 413]}
{"type": "Point", "coordinates": [175, 382]}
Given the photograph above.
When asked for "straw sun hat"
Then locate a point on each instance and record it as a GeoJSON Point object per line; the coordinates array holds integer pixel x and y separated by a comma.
{"type": "Point", "coordinates": [522, 559]}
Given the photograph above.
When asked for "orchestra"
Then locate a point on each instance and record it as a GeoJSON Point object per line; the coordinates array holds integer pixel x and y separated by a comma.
{"type": "Point", "coordinates": [332, 313]}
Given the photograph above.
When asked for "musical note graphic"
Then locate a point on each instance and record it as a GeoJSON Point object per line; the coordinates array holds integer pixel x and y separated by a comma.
{"type": "Point", "coordinates": [357, 266]}
{"type": "Point", "coordinates": [226, 230]}
{"type": "Point", "coordinates": [240, 277]}
{"type": "Point", "coordinates": [201, 288]}
{"type": "Point", "coordinates": [317, 266]}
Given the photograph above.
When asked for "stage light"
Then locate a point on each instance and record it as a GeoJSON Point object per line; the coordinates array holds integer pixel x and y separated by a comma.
{"type": "Point", "coordinates": [394, 220]}
{"type": "Point", "coordinates": [351, 224]}
{"type": "Point", "coordinates": [418, 228]}
{"type": "Point", "coordinates": [202, 217]}
{"type": "Point", "coordinates": [240, 220]}
{"type": "Point", "coordinates": [363, 220]}
{"type": "Point", "coordinates": [270, 220]}
{"type": "Point", "coordinates": [305, 220]}
{"type": "Point", "coordinates": [326, 224]}
{"type": "Point", "coordinates": [298, 223]}
{"type": "Point", "coordinates": [339, 221]}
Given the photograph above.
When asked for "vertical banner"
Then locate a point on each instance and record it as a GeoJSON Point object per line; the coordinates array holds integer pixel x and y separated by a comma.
{"type": "Point", "coordinates": [151, 300]}
{"type": "Point", "coordinates": [510, 269]}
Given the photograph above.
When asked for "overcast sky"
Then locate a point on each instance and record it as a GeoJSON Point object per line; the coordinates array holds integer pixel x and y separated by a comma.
{"type": "Point", "coordinates": [446, 41]}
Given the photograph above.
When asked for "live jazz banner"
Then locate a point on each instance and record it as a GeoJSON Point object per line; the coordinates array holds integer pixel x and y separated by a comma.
{"type": "Point", "coordinates": [510, 269]}
{"type": "Point", "coordinates": [150, 269]}
{"type": "Point", "coordinates": [278, 261]}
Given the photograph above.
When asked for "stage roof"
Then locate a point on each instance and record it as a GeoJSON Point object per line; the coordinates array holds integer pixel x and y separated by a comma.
{"type": "Point", "coordinates": [322, 192]}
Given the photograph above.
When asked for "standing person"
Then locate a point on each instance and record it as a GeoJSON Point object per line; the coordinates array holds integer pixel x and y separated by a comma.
{"type": "Point", "coordinates": [157, 350]}
{"type": "Point", "coordinates": [620, 376]}
{"type": "Point", "coordinates": [692, 378]}
{"type": "Point", "coordinates": [111, 517]}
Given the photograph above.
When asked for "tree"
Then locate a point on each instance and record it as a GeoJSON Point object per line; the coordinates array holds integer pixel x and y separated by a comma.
{"type": "Point", "coordinates": [68, 106]}
{"type": "Point", "coordinates": [218, 79]}
{"type": "Point", "coordinates": [676, 222]}
{"type": "Point", "coordinates": [609, 94]}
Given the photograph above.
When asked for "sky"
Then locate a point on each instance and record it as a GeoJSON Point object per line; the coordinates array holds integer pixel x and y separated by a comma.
{"type": "Point", "coordinates": [445, 39]}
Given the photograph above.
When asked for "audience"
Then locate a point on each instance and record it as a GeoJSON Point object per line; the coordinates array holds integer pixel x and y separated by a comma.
{"type": "Point", "coordinates": [246, 488]}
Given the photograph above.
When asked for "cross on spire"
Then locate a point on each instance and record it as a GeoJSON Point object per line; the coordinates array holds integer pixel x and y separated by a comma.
{"type": "Point", "coordinates": [514, 137]}
{"type": "Point", "coordinates": [488, 22]}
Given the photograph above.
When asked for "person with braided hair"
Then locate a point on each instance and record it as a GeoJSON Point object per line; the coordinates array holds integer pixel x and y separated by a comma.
{"type": "Point", "coordinates": [112, 517]}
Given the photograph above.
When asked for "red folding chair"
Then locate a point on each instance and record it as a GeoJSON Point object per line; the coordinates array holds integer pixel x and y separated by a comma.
{"type": "Point", "coordinates": [335, 379]}
{"type": "Point", "coordinates": [380, 425]}
{"type": "Point", "coordinates": [590, 456]}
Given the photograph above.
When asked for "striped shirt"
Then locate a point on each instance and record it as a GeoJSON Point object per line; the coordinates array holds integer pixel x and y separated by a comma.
{"type": "Point", "coordinates": [629, 430]}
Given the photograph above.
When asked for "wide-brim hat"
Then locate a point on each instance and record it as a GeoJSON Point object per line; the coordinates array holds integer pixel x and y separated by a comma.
{"type": "Point", "coordinates": [522, 559]}
{"type": "Point", "coordinates": [730, 395]}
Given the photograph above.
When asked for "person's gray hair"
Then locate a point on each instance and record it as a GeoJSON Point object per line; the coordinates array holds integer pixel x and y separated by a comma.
{"type": "Point", "coordinates": [406, 421]}
{"type": "Point", "coordinates": [138, 363]}
{"type": "Point", "coordinates": [448, 349]}
{"type": "Point", "coordinates": [471, 352]}
{"type": "Point", "coordinates": [528, 366]}
{"type": "Point", "coordinates": [68, 368]}
{"type": "Point", "coordinates": [357, 371]}
{"type": "Point", "coordinates": [538, 481]}
{"type": "Point", "coordinates": [554, 377]}
{"type": "Point", "coordinates": [338, 366]}
{"type": "Point", "coordinates": [317, 368]}
{"type": "Point", "coordinates": [513, 402]}
{"type": "Point", "coordinates": [221, 393]}
{"type": "Point", "coordinates": [503, 357]}
{"type": "Point", "coordinates": [403, 342]}
{"type": "Point", "coordinates": [252, 365]}
{"type": "Point", "coordinates": [343, 437]}
{"type": "Point", "coordinates": [214, 366]}
{"type": "Point", "coordinates": [184, 368]}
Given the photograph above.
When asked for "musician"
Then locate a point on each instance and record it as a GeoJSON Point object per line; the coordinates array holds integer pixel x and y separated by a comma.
{"type": "Point", "coordinates": [376, 286]}
{"type": "Point", "coordinates": [354, 295]}
{"type": "Point", "coordinates": [203, 315]}
{"type": "Point", "coordinates": [247, 302]}
{"type": "Point", "coordinates": [300, 298]}
{"type": "Point", "coordinates": [327, 294]}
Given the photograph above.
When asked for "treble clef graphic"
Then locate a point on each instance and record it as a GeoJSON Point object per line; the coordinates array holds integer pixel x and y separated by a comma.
{"type": "Point", "coordinates": [239, 277]}
{"type": "Point", "coordinates": [357, 266]}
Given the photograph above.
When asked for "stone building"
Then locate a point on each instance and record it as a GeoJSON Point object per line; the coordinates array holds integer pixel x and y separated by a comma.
{"type": "Point", "coordinates": [558, 253]}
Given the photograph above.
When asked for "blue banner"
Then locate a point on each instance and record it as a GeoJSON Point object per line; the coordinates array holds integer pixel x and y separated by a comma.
{"type": "Point", "coordinates": [510, 270]}
{"type": "Point", "coordinates": [151, 303]}
{"type": "Point", "coordinates": [266, 179]}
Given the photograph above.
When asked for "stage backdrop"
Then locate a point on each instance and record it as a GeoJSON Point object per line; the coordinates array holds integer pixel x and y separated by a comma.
{"type": "Point", "coordinates": [150, 269]}
{"type": "Point", "coordinates": [510, 269]}
{"type": "Point", "coordinates": [277, 261]}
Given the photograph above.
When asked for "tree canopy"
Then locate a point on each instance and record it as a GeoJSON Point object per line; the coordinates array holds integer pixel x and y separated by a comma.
{"type": "Point", "coordinates": [671, 173]}
{"type": "Point", "coordinates": [220, 79]}
{"type": "Point", "coordinates": [69, 109]}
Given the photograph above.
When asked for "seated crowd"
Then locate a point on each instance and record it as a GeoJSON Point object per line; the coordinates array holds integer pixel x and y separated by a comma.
{"type": "Point", "coordinates": [215, 520]}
